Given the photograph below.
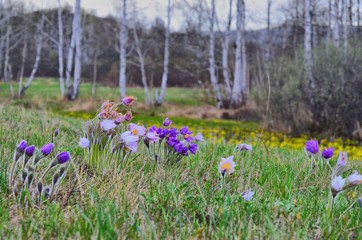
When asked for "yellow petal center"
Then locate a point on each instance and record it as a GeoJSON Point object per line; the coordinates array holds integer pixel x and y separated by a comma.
{"type": "Point", "coordinates": [187, 136]}
{"type": "Point", "coordinates": [135, 132]}
{"type": "Point", "coordinates": [226, 166]}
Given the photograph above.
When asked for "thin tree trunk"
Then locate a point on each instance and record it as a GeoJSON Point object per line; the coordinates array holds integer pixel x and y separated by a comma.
{"type": "Point", "coordinates": [142, 67]}
{"type": "Point", "coordinates": [212, 65]}
{"type": "Point", "coordinates": [7, 53]}
{"type": "Point", "coordinates": [22, 66]}
{"type": "Point", "coordinates": [268, 49]}
{"type": "Point", "coordinates": [78, 52]}
{"type": "Point", "coordinates": [314, 22]}
{"type": "Point", "coordinates": [308, 64]}
{"type": "Point", "coordinates": [335, 31]}
{"type": "Point", "coordinates": [122, 54]}
{"type": "Point", "coordinates": [95, 66]}
{"type": "Point", "coordinates": [60, 50]}
{"type": "Point", "coordinates": [358, 14]}
{"type": "Point", "coordinates": [296, 25]}
{"type": "Point", "coordinates": [68, 84]}
{"type": "Point", "coordinates": [330, 13]}
{"type": "Point", "coordinates": [240, 58]}
{"type": "Point", "coordinates": [39, 46]}
{"type": "Point", "coordinates": [346, 23]}
{"type": "Point", "coordinates": [225, 54]}
{"type": "Point", "coordinates": [161, 95]}
{"type": "Point", "coordinates": [2, 42]}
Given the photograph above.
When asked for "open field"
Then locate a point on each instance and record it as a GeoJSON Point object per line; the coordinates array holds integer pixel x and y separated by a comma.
{"type": "Point", "coordinates": [141, 199]}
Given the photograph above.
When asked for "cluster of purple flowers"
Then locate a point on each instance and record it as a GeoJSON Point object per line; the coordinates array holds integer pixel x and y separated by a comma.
{"type": "Point", "coordinates": [312, 147]}
{"type": "Point", "coordinates": [180, 141]}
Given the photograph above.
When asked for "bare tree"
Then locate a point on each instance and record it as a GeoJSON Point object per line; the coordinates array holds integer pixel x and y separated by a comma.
{"type": "Point", "coordinates": [23, 55]}
{"type": "Point", "coordinates": [60, 50]}
{"type": "Point", "coordinates": [68, 83]}
{"type": "Point", "coordinates": [122, 55]}
{"type": "Point", "coordinates": [141, 60]}
{"type": "Point", "coordinates": [160, 97]}
{"type": "Point", "coordinates": [212, 65]}
{"type": "Point", "coordinates": [39, 44]}
{"type": "Point", "coordinates": [308, 62]}
{"type": "Point", "coordinates": [240, 90]}
{"type": "Point", "coordinates": [225, 53]}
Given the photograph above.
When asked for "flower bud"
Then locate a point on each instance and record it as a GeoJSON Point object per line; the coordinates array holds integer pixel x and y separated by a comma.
{"type": "Point", "coordinates": [61, 158]}
{"type": "Point", "coordinates": [47, 148]}
{"type": "Point", "coordinates": [56, 178]}
{"type": "Point", "coordinates": [21, 146]}
{"type": "Point", "coordinates": [128, 101]}
{"type": "Point", "coordinates": [29, 151]}
{"type": "Point", "coordinates": [167, 122]}
{"type": "Point", "coordinates": [56, 132]}
{"type": "Point", "coordinates": [30, 177]}
{"type": "Point", "coordinates": [128, 116]}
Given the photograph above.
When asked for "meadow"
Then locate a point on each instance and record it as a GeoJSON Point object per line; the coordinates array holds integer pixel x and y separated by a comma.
{"type": "Point", "coordinates": [141, 197]}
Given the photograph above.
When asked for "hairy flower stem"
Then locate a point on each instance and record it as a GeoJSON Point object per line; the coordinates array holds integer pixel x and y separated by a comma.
{"type": "Point", "coordinates": [330, 207]}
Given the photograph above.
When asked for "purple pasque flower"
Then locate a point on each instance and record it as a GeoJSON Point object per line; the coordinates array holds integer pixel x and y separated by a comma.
{"type": "Point", "coordinates": [199, 137]}
{"type": "Point", "coordinates": [167, 122]}
{"type": "Point", "coordinates": [152, 129]}
{"type": "Point", "coordinates": [47, 148]}
{"type": "Point", "coordinates": [128, 101]}
{"type": "Point", "coordinates": [193, 148]}
{"type": "Point", "coordinates": [172, 132]}
{"type": "Point", "coordinates": [137, 130]}
{"type": "Point", "coordinates": [29, 151]}
{"type": "Point", "coordinates": [108, 125]}
{"type": "Point", "coordinates": [84, 143]}
{"type": "Point", "coordinates": [161, 132]}
{"type": "Point", "coordinates": [185, 131]}
{"type": "Point", "coordinates": [247, 195]}
{"type": "Point", "coordinates": [21, 146]}
{"type": "Point", "coordinates": [312, 146]}
{"type": "Point", "coordinates": [152, 136]}
{"type": "Point", "coordinates": [63, 157]}
{"type": "Point", "coordinates": [327, 153]}
{"type": "Point", "coordinates": [172, 141]}
{"type": "Point", "coordinates": [337, 185]}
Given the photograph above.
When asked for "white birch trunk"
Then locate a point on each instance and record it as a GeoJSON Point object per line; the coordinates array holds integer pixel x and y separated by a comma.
{"type": "Point", "coordinates": [7, 53]}
{"type": "Point", "coordinates": [335, 28]}
{"type": "Point", "coordinates": [160, 97]}
{"type": "Point", "coordinates": [240, 58]}
{"type": "Point", "coordinates": [142, 67]}
{"type": "Point", "coordinates": [308, 64]}
{"type": "Point", "coordinates": [70, 57]}
{"type": "Point", "coordinates": [122, 54]}
{"type": "Point", "coordinates": [225, 54]}
{"type": "Point", "coordinates": [212, 65]}
{"type": "Point", "coordinates": [268, 49]}
{"type": "Point", "coordinates": [23, 54]}
{"type": "Point", "coordinates": [2, 42]}
{"type": "Point", "coordinates": [95, 66]}
{"type": "Point", "coordinates": [39, 46]}
{"type": "Point", "coordinates": [346, 22]}
{"type": "Point", "coordinates": [60, 50]}
{"type": "Point", "coordinates": [78, 51]}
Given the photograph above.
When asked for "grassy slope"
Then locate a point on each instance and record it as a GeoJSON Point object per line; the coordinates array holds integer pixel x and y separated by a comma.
{"type": "Point", "coordinates": [179, 201]}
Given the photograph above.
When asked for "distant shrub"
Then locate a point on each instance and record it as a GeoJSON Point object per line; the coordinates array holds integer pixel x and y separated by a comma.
{"type": "Point", "coordinates": [333, 106]}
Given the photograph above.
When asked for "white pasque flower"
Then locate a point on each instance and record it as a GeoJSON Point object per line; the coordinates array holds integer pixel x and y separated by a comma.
{"type": "Point", "coordinates": [130, 141]}
{"type": "Point", "coordinates": [227, 165]}
{"type": "Point", "coordinates": [137, 130]}
{"type": "Point", "coordinates": [355, 178]}
{"type": "Point", "coordinates": [337, 184]}
{"type": "Point", "coordinates": [84, 143]}
{"type": "Point", "coordinates": [247, 195]}
{"type": "Point", "coordinates": [244, 147]}
{"type": "Point", "coordinates": [107, 125]}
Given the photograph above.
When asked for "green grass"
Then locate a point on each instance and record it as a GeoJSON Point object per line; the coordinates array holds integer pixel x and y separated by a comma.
{"type": "Point", "coordinates": [142, 200]}
{"type": "Point", "coordinates": [44, 93]}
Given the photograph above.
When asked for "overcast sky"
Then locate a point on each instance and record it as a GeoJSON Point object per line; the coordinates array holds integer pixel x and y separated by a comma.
{"type": "Point", "coordinates": [150, 9]}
